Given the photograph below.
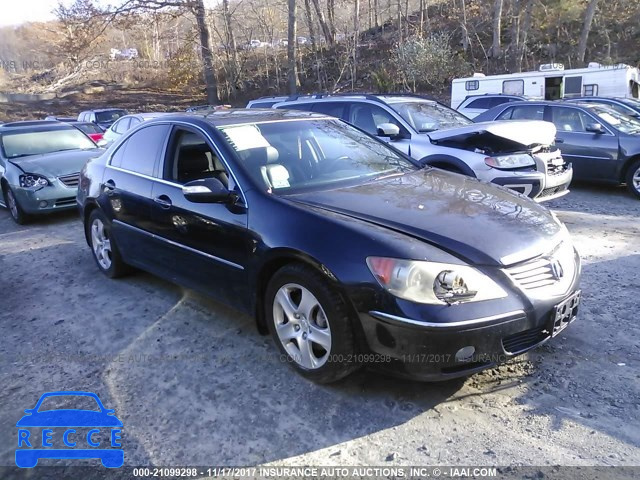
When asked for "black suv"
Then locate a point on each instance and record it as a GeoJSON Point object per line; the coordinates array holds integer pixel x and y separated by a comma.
{"type": "Point", "coordinates": [104, 117]}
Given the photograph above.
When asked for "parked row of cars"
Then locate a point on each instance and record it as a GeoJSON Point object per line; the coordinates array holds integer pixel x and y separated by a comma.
{"type": "Point", "coordinates": [349, 250]}
{"type": "Point", "coordinates": [534, 148]}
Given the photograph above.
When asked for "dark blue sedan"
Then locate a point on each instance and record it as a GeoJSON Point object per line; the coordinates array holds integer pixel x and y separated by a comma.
{"type": "Point", "coordinates": [343, 248]}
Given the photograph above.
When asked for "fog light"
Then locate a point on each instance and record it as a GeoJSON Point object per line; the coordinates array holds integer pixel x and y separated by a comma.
{"type": "Point", "coordinates": [465, 353]}
{"type": "Point", "coordinates": [43, 204]}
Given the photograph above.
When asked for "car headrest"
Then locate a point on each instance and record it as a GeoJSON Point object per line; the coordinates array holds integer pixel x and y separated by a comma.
{"type": "Point", "coordinates": [193, 161]}
{"type": "Point", "coordinates": [275, 175]}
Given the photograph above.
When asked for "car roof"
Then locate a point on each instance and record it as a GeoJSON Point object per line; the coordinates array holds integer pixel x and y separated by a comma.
{"type": "Point", "coordinates": [100, 110]}
{"type": "Point", "coordinates": [35, 126]}
{"type": "Point", "coordinates": [239, 116]}
{"type": "Point", "coordinates": [546, 102]}
{"type": "Point", "coordinates": [30, 123]}
{"type": "Point", "coordinates": [388, 99]}
{"type": "Point", "coordinates": [146, 115]}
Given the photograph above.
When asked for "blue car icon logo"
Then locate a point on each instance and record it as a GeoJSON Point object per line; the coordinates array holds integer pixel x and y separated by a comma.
{"type": "Point", "coordinates": [44, 430]}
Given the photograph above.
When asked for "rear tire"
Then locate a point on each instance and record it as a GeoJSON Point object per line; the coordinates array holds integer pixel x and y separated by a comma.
{"type": "Point", "coordinates": [17, 213]}
{"type": "Point", "coordinates": [310, 323]}
{"type": "Point", "coordinates": [103, 246]}
{"type": "Point", "coordinates": [633, 178]}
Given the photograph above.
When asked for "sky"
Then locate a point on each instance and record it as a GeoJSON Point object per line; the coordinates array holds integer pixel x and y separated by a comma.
{"type": "Point", "coordinates": [15, 12]}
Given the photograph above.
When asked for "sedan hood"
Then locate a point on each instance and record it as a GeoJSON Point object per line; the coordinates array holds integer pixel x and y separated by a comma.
{"type": "Point", "coordinates": [476, 221]}
{"type": "Point", "coordinates": [524, 132]}
{"type": "Point", "coordinates": [56, 163]}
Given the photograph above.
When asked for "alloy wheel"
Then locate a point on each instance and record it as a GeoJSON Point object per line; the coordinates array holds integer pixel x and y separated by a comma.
{"type": "Point", "coordinates": [635, 179]}
{"type": "Point", "coordinates": [302, 326]}
{"type": "Point", "coordinates": [101, 244]}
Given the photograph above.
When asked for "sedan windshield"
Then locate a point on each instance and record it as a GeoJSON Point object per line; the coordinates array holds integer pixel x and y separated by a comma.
{"type": "Point", "coordinates": [21, 143]}
{"type": "Point", "coordinates": [293, 156]}
{"type": "Point", "coordinates": [622, 122]}
{"type": "Point", "coordinates": [430, 116]}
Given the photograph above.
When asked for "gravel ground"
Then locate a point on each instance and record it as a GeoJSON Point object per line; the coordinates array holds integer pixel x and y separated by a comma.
{"type": "Point", "coordinates": [195, 384]}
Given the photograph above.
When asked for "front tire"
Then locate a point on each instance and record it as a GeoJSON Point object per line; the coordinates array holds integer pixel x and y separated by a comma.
{"type": "Point", "coordinates": [633, 178]}
{"type": "Point", "coordinates": [103, 246]}
{"type": "Point", "coordinates": [16, 211]}
{"type": "Point", "coordinates": [310, 323]}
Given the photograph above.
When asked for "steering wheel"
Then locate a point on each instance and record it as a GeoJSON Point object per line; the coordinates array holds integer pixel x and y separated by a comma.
{"type": "Point", "coordinates": [330, 166]}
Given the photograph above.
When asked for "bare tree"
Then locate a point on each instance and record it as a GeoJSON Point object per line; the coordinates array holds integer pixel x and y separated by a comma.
{"type": "Point", "coordinates": [326, 30]}
{"type": "Point", "coordinates": [205, 50]}
{"type": "Point", "coordinates": [463, 24]}
{"type": "Point", "coordinates": [586, 28]}
{"type": "Point", "coordinates": [291, 49]}
{"type": "Point", "coordinates": [356, 35]}
{"type": "Point", "coordinates": [496, 49]}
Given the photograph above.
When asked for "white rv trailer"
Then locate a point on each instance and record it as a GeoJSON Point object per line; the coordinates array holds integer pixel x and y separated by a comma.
{"type": "Point", "coordinates": [552, 82]}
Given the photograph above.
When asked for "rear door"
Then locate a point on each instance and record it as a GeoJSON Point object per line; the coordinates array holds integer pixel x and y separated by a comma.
{"type": "Point", "coordinates": [126, 191]}
{"type": "Point", "coordinates": [205, 246]}
{"type": "Point", "coordinates": [594, 155]}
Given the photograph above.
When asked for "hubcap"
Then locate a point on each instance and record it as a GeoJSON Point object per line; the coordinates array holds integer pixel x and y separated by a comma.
{"type": "Point", "coordinates": [13, 204]}
{"type": "Point", "coordinates": [101, 244]}
{"type": "Point", "coordinates": [302, 326]}
{"type": "Point", "coordinates": [636, 180]}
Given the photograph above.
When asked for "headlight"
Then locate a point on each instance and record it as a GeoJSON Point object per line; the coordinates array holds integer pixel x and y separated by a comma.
{"type": "Point", "coordinates": [510, 161]}
{"type": "Point", "coordinates": [433, 283]}
{"type": "Point", "coordinates": [31, 180]}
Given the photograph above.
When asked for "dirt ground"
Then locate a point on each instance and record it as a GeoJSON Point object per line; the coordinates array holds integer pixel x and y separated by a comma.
{"type": "Point", "coordinates": [195, 384]}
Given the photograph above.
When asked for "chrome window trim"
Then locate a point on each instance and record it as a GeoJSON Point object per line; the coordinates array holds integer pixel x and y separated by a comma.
{"type": "Point", "coordinates": [449, 325]}
{"type": "Point", "coordinates": [176, 244]}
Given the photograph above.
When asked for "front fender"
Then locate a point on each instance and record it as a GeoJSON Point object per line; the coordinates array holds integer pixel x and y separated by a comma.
{"type": "Point", "coordinates": [440, 159]}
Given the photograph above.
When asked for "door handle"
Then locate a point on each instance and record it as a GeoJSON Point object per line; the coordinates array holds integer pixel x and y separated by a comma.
{"type": "Point", "coordinates": [109, 186]}
{"type": "Point", "coordinates": [163, 201]}
{"type": "Point", "coordinates": [559, 140]}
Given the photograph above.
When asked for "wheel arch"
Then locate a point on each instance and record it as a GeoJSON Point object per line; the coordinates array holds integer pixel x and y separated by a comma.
{"type": "Point", "coordinates": [625, 167]}
{"type": "Point", "coordinates": [443, 161]}
{"type": "Point", "coordinates": [277, 259]}
{"type": "Point", "coordinates": [87, 210]}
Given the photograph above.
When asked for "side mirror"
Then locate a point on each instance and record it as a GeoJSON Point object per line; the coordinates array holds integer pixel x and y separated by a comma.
{"type": "Point", "coordinates": [595, 128]}
{"type": "Point", "coordinates": [389, 130]}
{"type": "Point", "coordinates": [207, 190]}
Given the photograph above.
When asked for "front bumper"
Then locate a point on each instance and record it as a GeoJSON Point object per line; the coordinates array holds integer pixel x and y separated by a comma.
{"type": "Point", "coordinates": [56, 196]}
{"type": "Point", "coordinates": [440, 351]}
{"type": "Point", "coordinates": [550, 179]}
{"type": "Point", "coordinates": [430, 343]}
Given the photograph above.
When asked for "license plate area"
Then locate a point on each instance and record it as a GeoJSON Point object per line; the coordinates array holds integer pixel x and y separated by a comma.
{"type": "Point", "coordinates": [564, 313]}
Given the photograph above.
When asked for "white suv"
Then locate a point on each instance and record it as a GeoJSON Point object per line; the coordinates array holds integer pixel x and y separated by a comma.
{"type": "Point", "coordinates": [519, 155]}
{"type": "Point", "coordinates": [474, 105]}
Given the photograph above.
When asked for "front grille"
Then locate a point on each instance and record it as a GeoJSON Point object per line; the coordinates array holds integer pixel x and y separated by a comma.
{"type": "Point", "coordinates": [547, 192]}
{"type": "Point", "coordinates": [551, 274]}
{"type": "Point", "coordinates": [534, 274]}
{"type": "Point", "coordinates": [522, 341]}
{"type": "Point", "coordinates": [70, 180]}
{"type": "Point", "coordinates": [65, 202]}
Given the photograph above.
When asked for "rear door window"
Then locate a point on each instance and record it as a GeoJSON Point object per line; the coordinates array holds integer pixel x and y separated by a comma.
{"type": "Point", "coordinates": [523, 112]}
{"type": "Point", "coordinates": [140, 152]}
{"type": "Point", "coordinates": [333, 109]}
{"type": "Point", "coordinates": [481, 103]}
